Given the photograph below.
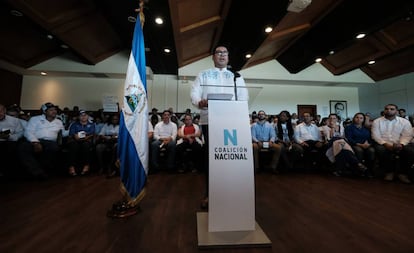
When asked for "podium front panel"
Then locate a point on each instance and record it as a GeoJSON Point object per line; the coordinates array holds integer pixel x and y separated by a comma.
{"type": "Point", "coordinates": [231, 173]}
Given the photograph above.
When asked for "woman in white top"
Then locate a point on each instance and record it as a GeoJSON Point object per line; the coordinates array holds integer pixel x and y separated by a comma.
{"type": "Point", "coordinates": [340, 152]}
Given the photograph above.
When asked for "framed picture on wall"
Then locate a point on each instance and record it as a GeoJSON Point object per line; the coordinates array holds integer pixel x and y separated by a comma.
{"type": "Point", "coordinates": [339, 107]}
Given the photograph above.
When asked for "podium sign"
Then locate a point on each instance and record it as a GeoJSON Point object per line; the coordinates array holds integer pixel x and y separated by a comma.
{"type": "Point", "coordinates": [231, 173]}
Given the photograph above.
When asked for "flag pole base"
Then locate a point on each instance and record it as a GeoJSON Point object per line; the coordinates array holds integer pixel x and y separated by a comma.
{"type": "Point", "coordinates": [122, 209]}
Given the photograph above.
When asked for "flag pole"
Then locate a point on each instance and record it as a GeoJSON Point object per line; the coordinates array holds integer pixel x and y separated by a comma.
{"type": "Point", "coordinates": [133, 143]}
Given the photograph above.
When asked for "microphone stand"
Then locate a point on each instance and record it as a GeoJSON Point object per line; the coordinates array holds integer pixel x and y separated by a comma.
{"type": "Point", "coordinates": [236, 75]}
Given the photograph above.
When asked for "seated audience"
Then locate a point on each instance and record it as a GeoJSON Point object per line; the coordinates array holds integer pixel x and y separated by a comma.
{"type": "Point", "coordinates": [189, 139]}
{"type": "Point", "coordinates": [38, 153]}
{"type": "Point", "coordinates": [165, 134]}
{"type": "Point", "coordinates": [332, 128]}
{"type": "Point", "coordinates": [308, 138]}
{"type": "Point", "coordinates": [80, 144]}
{"type": "Point", "coordinates": [403, 114]}
{"type": "Point", "coordinates": [368, 120]}
{"type": "Point", "coordinates": [14, 111]}
{"type": "Point", "coordinates": [98, 124]}
{"type": "Point", "coordinates": [285, 136]}
{"type": "Point", "coordinates": [187, 112]}
{"type": "Point", "coordinates": [196, 119]}
{"type": "Point", "coordinates": [359, 137]}
{"type": "Point", "coordinates": [150, 132]}
{"type": "Point", "coordinates": [11, 131]}
{"type": "Point", "coordinates": [340, 152]}
{"type": "Point", "coordinates": [106, 147]}
{"type": "Point", "coordinates": [154, 116]}
{"type": "Point", "coordinates": [264, 137]}
{"type": "Point", "coordinates": [295, 119]}
{"type": "Point", "coordinates": [391, 135]}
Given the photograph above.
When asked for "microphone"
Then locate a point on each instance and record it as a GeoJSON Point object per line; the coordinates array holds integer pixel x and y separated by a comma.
{"type": "Point", "coordinates": [236, 75]}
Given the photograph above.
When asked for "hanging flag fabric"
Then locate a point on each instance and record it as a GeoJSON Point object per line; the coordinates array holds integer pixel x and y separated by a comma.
{"type": "Point", "coordinates": [133, 147]}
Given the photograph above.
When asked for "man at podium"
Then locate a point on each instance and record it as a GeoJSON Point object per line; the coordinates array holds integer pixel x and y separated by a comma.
{"type": "Point", "coordinates": [215, 83]}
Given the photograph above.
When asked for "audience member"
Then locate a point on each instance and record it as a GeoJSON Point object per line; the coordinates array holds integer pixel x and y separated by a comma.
{"type": "Point", "coordinates": [11, 131]}
{"type": "Point", "coordinates": [332, 128]}
{"type": "Point", "coordinates": [99, 124]}
{"type": "Point", "coordinates": [154, 112]}
{"type": "Point", "coordinates": [264, 137]}
{"type": "Point", "coordinates": [189, 140]}
{"type": "Point", "coordinates": [13, 111]}
{"type": "Point", "coordinates": [295, 119]}
{"type": "Point", "coordinates": [402, 113]}
{"type": "Point", "coordinates": [80, 144]}
{"type": "Point", "coordinates": [38, 153]}
{"type": "Point", "coordinates": [340, 152]}
{"type": "Point", "coordinates": [359, 137]}
{"type": "Point", "coordinates": [107, 141]}
{"type": "Point", "coordinates": [285, 136]}
{"type": "Point", "coordinates": [368, 120]}
{"type": "Point", "coordinates": [391, 135]}
{"type": "Point", "coordinates": [187, 112]}
{"type": "Point", "coordinates": [308, 136]}
{"type": "Point", "coordinates": [165, 134]}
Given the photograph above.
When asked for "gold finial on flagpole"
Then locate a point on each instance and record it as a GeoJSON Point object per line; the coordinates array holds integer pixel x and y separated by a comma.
{"type": "Point", "coordinates": [141, 12]}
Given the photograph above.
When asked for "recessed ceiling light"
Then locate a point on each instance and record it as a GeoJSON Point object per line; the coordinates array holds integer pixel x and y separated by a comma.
{"type": "Point", "coordinates": [318, 60]}
{"type": "Point", "coordinates": [360, 36]}
{"type": "Point", "coordinates": [132, 19]}
{"type": "Point", "coordinates": [64, 46]}
{"type": "Point", "coordinates": [159, 21]}
{"type": "Point", "coordinates": [167, 50]}
{"type": "Point", "coordinates": [43, 73]}
{"type": "Point", "coordinates": [16, 13]}
{"type": "Point", "coordinates": [248, 56]}
{"type": "Point", "coordinates": [331, 52]}
{"type": "Point", "coordinates": [371, 62]}
{"type": "Point", "coordinates": [268, 29]}
{"type": "Point", "coordinates": [50, 36]}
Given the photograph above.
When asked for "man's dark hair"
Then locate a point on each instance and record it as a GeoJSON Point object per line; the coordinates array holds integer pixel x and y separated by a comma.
{"type": "Point", "coordinates": [396, 106]}
{"type": "Point", "coordinates": [215, 48]}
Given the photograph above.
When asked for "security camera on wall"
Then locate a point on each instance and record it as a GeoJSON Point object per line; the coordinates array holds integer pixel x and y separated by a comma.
{"type": "Point", "coordinates": [298, 5]}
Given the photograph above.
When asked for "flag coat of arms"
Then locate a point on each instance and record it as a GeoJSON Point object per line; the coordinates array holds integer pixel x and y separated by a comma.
{"type": "Point", "coordinates": [133, 127]}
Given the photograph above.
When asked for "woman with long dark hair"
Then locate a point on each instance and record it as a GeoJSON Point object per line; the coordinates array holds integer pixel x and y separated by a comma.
{"type": "Point", "coordinates": [359, 137]}
{"type": "Point", "coordinates": [285, 133]}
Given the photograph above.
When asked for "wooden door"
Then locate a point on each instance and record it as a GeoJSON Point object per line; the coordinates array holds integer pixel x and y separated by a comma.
{"type": "Point", "coordinates": [306, 108]}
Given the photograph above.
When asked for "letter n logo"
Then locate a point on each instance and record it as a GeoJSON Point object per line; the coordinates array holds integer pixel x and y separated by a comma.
{"type": "Point", "coordinates": [232, 137]}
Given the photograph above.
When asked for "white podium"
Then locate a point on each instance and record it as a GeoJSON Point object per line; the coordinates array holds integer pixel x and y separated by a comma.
{"type": "Point", "coordinates": [230, 220]}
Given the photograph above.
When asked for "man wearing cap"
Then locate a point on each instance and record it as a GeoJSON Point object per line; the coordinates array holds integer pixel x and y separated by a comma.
{"type": "Point", "coordinates": [80, 144]}
{"type": "Point", "coordinates": [38, 153]}
{"type": "Point", "coordinates": [154, 111]}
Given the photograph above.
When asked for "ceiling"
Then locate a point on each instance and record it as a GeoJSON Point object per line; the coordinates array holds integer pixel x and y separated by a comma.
{"type": "Point", "coordinates": [94, 30]}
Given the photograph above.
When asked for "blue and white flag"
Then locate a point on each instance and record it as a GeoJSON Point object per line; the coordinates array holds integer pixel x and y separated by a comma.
{"type": "Point", "coordinates": [133, 127]}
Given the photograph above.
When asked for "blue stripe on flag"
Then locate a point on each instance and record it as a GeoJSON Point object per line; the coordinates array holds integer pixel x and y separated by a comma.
{"type": "Point", "coordinates": [133, 126]}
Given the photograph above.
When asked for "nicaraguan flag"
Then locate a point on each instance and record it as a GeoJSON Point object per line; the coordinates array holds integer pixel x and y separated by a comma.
{"type": "Point", "coordinates": [133, 126]}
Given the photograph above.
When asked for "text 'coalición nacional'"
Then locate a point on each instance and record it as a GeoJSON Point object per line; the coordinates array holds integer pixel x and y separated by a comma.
{"type": "Point", "coordinates": [230, 153]}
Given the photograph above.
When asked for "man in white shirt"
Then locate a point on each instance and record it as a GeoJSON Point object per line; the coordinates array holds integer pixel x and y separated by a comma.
{"type": "Point", "coordinates": [38, 153]}
{"type": "Point", "coordinates": [392, 134]}
{"type": "Point", "coordinates": [215, 80]}
{"type": "Point", "coordinates": [11, 131]}
{"type": "Point", "coordinates": [165, 134]}
{"type": "Point", "coordinates": [308, 138]}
